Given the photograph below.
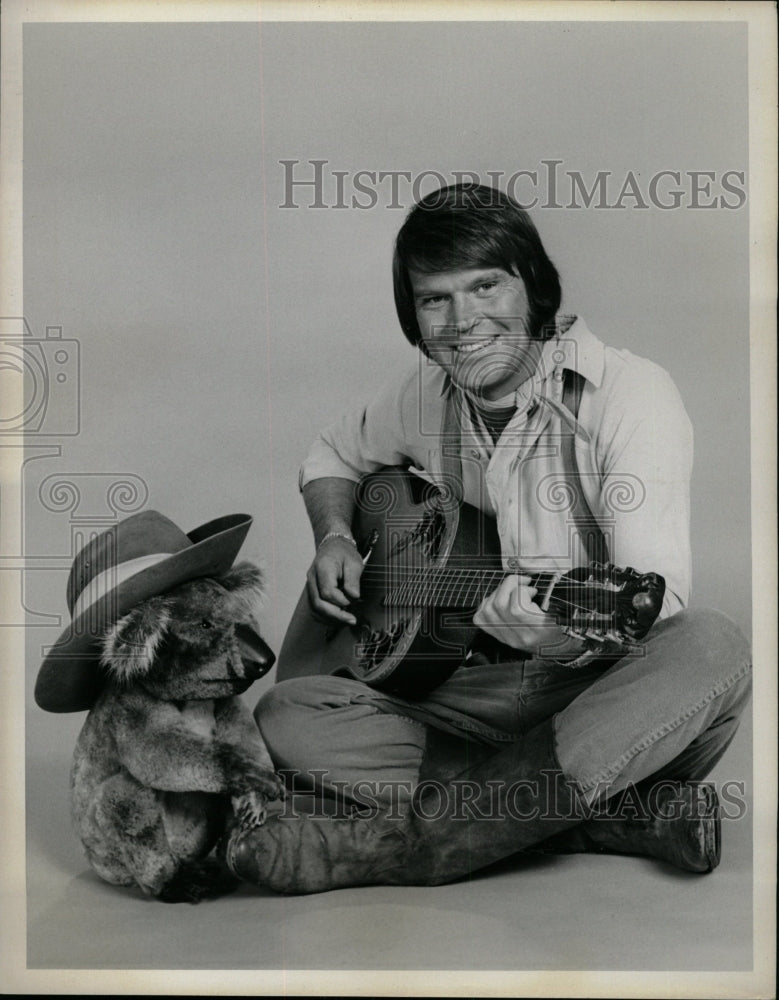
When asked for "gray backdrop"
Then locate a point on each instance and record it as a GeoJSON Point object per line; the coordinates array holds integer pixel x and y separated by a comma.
{"type": "Point", "coordinates": [217, 331]}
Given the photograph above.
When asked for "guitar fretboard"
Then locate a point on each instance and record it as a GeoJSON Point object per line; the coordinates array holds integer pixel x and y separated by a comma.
{"type": "Point", "coordinates": [448, 587]}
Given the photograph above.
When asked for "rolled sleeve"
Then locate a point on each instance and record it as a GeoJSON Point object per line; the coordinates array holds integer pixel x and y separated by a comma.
{"type": "Point", "coordinates": [363, 440]}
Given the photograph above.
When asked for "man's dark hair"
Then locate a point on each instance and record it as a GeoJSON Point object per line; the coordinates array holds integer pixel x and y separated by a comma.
{"type": "Point", "coordinates": [469, 226]}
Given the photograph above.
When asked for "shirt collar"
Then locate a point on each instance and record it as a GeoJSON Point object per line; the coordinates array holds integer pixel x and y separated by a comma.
{"type": "Point", "coordinates": [582, 352]}
{"type": "Point", "coordinates": [577, 348]}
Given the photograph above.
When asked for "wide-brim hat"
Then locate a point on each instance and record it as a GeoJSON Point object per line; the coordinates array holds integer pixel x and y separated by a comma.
{"type": "Point", "coordinates": [137, 558]}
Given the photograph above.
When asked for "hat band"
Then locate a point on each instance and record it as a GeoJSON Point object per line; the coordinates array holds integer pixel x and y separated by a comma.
{"type": "Point", "coordinates": [111, 578]}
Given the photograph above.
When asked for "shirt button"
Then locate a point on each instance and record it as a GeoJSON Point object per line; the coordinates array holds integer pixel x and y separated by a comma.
{"type": "Point", "coordinates": [475, 453]}
{"type": "Point", "coordinates": [513, 563]}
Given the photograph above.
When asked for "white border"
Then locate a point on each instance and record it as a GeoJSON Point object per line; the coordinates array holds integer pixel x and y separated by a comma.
{"type": "Point", "coordinates": [761, 18]}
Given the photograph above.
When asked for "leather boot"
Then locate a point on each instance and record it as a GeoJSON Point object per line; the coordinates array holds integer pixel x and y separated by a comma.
{"type": "Point", "coordinates": [510, 801]}
{"type": "Point", "coordinates": [677, 822]}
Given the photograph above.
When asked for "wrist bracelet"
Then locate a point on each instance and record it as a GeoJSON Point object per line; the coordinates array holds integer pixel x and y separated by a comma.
{"type": "Point", "coordinates": [336, 534]}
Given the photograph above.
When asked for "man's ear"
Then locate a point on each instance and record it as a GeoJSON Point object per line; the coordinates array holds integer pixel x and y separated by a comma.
{"type": "Point", "coordinates": [245, 581]}
{"type": "Point", "coordinates": [131, 644]}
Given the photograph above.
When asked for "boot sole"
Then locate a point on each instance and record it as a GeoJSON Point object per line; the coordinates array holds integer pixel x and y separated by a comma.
{"type": "Point", "coordinates": [712, 828]}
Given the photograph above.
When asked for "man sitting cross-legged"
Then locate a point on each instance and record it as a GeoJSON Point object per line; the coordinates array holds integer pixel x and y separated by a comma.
{"type": "Point", "coordinates": [532, 733]}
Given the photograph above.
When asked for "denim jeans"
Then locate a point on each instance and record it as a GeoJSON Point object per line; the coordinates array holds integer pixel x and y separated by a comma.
{"type": "Point", "coordinates": [669, 713]}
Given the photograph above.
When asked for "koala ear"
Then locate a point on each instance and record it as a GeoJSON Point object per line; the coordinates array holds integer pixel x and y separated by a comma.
{"type": "Point", "coordinates": [245, 581]}
{"type": "Point", "coordinates": [131, 644]}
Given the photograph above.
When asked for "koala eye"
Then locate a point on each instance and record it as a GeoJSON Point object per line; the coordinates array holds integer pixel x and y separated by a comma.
{"type": "Point", "coordinates": [206, 623]}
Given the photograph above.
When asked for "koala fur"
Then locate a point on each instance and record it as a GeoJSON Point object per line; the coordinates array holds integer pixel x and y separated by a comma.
{"type": "Point", "coordinates": [169, 746]}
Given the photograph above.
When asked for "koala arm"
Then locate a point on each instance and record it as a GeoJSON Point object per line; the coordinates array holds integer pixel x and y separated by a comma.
{"type": "Point", "coordinates": [162, 751]}
{"type": "Point", "coordinates": [235, 724]}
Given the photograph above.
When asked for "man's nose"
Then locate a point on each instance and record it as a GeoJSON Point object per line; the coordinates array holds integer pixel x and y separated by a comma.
{"type": "Point", "coordinates": [463, 315]}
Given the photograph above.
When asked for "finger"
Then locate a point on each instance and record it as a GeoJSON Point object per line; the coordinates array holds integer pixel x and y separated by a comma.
{"type": "Point", "coordinates": [352, 572]}
{"type": "Point", "coordinates": [322, 608]}
{"type": "Point", "coordinates": [504, 598]}
{"type": "Point", "coordinates": [331, 612]}
{"type": "Point", "coordinates": [328, 577]}
{"type": "Point", "coordinates": [507, 588]}
{"type": "Point", "coordinates": [526, 603]}
{"type": "Point", "coordinates": [485, 618]}
{"type": "Point", "coordinates": [482, 614]}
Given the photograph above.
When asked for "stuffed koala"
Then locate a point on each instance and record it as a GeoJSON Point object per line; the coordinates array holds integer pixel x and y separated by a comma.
{"type": "Point", "coordinates": [169, 747]}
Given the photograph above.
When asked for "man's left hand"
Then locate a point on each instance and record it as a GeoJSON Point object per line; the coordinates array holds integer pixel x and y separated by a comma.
{"type": "Point", "coordinates": [509, 615]}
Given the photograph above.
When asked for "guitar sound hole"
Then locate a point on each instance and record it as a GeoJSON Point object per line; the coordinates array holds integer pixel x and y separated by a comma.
{"type": "Point", "coordinates": [377, 644]}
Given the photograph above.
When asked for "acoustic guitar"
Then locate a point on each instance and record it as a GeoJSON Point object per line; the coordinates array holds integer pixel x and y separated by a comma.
{"type": "Point", "coordinates": [429, 562]}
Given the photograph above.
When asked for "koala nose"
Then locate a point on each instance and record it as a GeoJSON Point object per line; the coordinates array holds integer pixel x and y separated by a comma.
{"type": "Point", "coordinates": [255, 652]}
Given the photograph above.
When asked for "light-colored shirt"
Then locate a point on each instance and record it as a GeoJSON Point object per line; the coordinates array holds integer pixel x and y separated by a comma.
{"type": "Point", "coordinates": [633, 458]}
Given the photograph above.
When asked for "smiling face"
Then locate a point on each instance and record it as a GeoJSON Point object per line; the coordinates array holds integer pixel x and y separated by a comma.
{"type": "Point", "coordinates": [474, 323]}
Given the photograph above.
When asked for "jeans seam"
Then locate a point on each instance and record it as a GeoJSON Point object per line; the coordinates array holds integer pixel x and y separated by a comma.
{"type": "Point", "coordinates": [492, 734]}
{"type": "Point", "coordinates": [471, 727]}
{"type": "Point", "coordinates": [395, 715]}
{"type": "Point", "coordinates": [609, 773]}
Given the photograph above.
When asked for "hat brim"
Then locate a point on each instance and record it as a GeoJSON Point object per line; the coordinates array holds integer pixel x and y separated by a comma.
{"type": "Point", "coordinates": [70, 677]}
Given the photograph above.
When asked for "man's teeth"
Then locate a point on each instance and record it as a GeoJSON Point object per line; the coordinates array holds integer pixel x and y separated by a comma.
{"type": "Point", "coordinates": [473, 347]}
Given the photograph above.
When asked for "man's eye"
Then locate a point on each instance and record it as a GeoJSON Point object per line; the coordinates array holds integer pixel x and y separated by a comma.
{"type": "Point", "coordinates": [432, 300]}
{"type": "Point", "coordinates": [487, 286]}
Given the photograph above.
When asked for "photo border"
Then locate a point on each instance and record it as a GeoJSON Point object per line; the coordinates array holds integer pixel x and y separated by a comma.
{"type": "Point", "coordinates": [761, 18]}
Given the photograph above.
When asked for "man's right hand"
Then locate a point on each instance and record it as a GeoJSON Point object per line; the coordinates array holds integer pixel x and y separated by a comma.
{"type": "Point", "coordinates": [333, 580]}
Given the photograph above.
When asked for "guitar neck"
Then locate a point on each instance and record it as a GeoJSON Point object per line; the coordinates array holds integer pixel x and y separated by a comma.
{"type": "Point", "coordinates": [448, 587]}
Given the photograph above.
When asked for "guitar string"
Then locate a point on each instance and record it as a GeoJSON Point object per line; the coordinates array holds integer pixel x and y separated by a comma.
{"type": "Point", "coordinates": [420, 586]}
{"type": "Point", "coordinates": [449, 588]}
{"type": "Point", "coordinates": [419, 596]}
{"type": "Point", "coordinates": [476, 575]}
{"type": "Point", "coordinates": [457, 580]}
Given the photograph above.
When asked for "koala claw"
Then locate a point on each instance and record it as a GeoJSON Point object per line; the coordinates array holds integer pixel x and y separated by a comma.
{"type": "Point", "coordinates": [272, 786]}
{"type": "Point", "coordinates": [250, 809]}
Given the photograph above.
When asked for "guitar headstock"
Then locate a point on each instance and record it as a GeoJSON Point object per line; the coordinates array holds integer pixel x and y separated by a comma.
{"type": "Point", "coordinates": [608, 607]}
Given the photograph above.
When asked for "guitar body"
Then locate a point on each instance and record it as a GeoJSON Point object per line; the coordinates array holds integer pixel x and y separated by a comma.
{"type": "Point", "coordinates": [429, 561]}
{"type": "Point", "coordinates": [413, 528]}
